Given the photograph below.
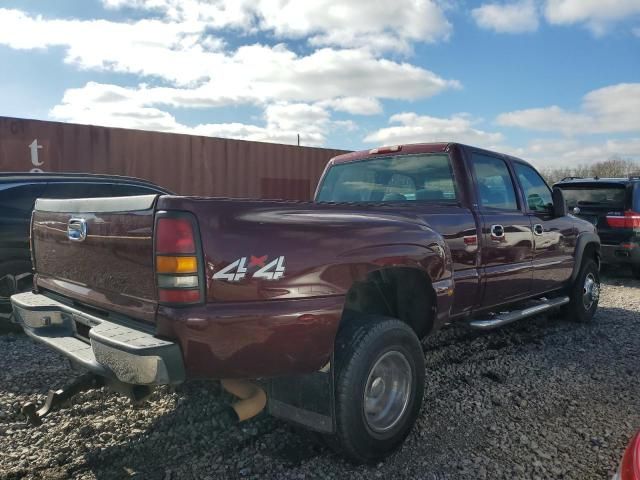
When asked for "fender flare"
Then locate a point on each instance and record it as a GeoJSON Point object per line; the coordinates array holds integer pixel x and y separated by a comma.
{"type": "Point", "coordinates": [584, 239]}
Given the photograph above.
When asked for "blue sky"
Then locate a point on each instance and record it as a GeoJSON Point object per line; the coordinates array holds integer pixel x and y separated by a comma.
{"type": "Point", "coordinates": [553, 81]}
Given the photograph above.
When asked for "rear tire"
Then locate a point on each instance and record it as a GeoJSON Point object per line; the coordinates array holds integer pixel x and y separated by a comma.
{"type": "Point", "coordinates": [635, 271]}
{"type": "Point", "coordinates": [379, 386]}
{"type": "Point", "coordinates": [585, 293]}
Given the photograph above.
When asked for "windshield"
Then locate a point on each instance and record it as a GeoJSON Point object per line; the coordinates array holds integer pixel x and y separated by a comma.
{"type": "Point", "coordinates": [400, 178]}
{"type": "Point", "coordinates": [609, 197]}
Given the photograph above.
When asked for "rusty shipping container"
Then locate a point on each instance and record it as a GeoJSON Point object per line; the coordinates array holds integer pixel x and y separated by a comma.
{"type": "Point", "coordinates": [185, 164]}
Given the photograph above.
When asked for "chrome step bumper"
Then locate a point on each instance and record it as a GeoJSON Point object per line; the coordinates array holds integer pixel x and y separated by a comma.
{"type": "Point", "coordinates": [111, 350]}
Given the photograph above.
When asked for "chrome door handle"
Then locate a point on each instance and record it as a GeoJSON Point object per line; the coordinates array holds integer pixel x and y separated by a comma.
{"type": "Point", "coordinates": [538, 229]}
{"type": "Point", "coordinates": [77, 229]}
{"type": "Point", "coordinates": [497, 231]}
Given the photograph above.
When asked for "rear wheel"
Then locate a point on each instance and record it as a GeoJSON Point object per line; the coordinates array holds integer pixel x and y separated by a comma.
{"type": "Point", "coordinates": [585, 293]}
{"type": "Point", "coordinates": [635, 270]}
{"type": "Point", "coordinates": [378, 387]}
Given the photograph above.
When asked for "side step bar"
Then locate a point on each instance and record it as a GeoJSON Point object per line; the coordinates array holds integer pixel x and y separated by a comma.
{"type": "Point", "coordinates": [516, 315]}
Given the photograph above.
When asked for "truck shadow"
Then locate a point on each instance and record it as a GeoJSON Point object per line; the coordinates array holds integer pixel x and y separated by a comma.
{"type": "Point", "coordinates": [191, 436]}
{"type": "Point", "coordinates": [460, 344]}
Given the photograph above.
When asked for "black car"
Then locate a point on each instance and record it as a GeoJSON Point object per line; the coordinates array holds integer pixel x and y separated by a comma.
{"type": "Point", "coordinates": [18, 193]}
{"type": "Point", "coordinates": [613, 206]}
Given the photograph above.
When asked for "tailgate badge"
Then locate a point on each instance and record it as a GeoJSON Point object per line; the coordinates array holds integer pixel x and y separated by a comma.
{"type": "Point", "coordinates": [77, 229]}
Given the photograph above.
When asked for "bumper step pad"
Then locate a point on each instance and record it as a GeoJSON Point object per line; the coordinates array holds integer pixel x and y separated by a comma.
{"type": "Point", "coordinates": [116, 351]}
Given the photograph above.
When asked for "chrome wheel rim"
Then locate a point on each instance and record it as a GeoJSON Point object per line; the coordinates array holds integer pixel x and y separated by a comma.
{"type": "Point", "coordinates": [590, 291]}
{"type": "Point", "coordinates": [387, 391]}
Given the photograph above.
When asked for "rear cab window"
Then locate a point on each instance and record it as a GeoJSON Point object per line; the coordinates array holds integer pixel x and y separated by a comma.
{"type": "Point", "coordinates": [398, 178]}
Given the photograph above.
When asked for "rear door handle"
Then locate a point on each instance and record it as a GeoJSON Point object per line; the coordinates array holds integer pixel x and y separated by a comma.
{"type": "Point", "coordinates": [497, 231]}
{"type": "Point", "coordinates": [538, 229]}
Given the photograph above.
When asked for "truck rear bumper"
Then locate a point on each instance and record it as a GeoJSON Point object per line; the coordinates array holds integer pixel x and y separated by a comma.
{"type": "Point", "coordinates": [616, 254]}
{"type": "Point", "coordinates": [104, 347]}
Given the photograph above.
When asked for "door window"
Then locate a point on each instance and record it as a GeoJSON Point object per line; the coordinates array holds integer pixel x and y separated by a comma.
{"type": "Point", "coordinates": [18, 201]}
{"type": "Point", "coordinates": [495, 186]}
{"type": "Point", "coordinates": [131, 190]}
{"type": "Point", "coordinates": [535, 189]}
{"type": "Point", "coordinates": [78, 190]}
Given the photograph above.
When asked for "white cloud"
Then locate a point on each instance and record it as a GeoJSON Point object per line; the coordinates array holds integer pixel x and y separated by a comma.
{"type": "Point", "coordinates": [111, 105]}
{"type": "Point", "coordinates": [612, 109]}
{"type": "Point", "coordinates": [414, 128]}
{"type": "Point", "coordinates": [381, 26]}
{"type": "Point", "coordinates": [516, 17]}
{"type": "Point", "coordinates": [597, 15]}
{"type": "Point", "coordinates": [355, 105]}
{"type": "Point", "coordinates": [257, 74]}
{"type": "Point", "coordinates": [570, 152]}
{"type": "Point", "coordinates": [206, 77]}
{"type": "Point", "coordinates": [147, 47]}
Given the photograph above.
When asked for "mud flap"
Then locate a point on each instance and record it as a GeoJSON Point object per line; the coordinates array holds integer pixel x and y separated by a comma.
{"type": "Point", "coordinates": [306, 400]}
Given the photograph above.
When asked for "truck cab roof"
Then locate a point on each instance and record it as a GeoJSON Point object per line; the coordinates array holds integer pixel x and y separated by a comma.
{"type": "Point", "coordinates": [416, 148]}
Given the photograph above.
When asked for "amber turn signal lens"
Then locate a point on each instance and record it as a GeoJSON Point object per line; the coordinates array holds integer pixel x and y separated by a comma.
{"type": "Point", "coordinates": [166, 264]}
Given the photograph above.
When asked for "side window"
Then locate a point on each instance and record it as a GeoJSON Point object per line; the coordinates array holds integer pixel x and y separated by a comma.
{"type": "Point", "coordinates": [18, 201]}
{"type": "Point", "coordinates": [535, 189]}
{"type": "Point", "coordinates": [131, 190]}
{"type": "Point", "coordinates": [495, 186]}
{"type": "Point", "coordinates": [78, 190]}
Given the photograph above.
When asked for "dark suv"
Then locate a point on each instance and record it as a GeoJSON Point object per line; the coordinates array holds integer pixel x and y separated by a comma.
{"type": "Point", "coordinates": [613, 206]}
{"type": "Point", "coordinates": [18, 193]}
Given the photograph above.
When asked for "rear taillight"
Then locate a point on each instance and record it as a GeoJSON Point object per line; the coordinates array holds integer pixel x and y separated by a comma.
{"type": "Point", "coordinates": [630, 466]}
{"type": "Point", "coordinates": [630, 220]}
{"type": "Point", "coordinates": [177, 260]}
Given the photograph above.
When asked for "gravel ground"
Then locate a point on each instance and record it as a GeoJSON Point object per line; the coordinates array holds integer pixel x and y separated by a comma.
{"type": "Point", "coordinates": [544, 398]}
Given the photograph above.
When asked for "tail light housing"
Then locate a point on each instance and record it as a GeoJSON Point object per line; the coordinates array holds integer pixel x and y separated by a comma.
{"type": "Point", "coordinates": [629, 220]}
{"type": "Point", "coordinates": [630, 466]}
{"type": "Point", "coordinates": [178, 263]}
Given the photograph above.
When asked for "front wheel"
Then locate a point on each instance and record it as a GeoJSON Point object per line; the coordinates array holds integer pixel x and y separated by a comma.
{"type": "Point", "coordinates": [585, 293]}
{"type": "Point", "coordinates": [378, 387]}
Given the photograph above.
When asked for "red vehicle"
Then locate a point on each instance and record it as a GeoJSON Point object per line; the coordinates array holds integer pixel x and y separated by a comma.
{"type": "Point", "coordinates": [630, 465]}
{"type": "Point", "coordinates": [322, 303]}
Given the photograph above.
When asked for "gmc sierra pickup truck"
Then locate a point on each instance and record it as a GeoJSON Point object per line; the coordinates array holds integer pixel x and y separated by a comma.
{"type": "Point", "coordinates": [315, 309]}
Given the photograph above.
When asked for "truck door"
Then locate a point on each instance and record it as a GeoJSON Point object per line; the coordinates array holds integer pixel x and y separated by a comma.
{"type": "Point", "coordinates": [554, 238]}
{"type": "Point", "coordinates": [506, 239]}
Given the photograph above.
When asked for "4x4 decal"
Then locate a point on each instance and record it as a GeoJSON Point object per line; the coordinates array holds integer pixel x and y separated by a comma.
{"type": "Point", "coordinates": [238, 270]}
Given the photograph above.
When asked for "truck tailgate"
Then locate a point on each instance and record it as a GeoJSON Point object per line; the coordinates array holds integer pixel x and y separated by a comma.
{"type": "Point", "coordinates": [98, 252]}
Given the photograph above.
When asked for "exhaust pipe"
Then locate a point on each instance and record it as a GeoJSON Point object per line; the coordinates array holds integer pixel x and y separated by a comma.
{"type": "Point", "coordinates": [252, 398]}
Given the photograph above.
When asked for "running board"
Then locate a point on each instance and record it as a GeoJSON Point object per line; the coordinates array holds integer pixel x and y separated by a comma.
{"type": "Point", "coordinates": [516, 315]}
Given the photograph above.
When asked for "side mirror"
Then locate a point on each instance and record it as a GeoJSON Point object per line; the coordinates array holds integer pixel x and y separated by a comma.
{"type": "Point", "coordinates": [559, 203]}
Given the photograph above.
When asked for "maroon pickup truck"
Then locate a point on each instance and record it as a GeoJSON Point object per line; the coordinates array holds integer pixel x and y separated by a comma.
{"type": "Point", "coordinates": [322, 304]}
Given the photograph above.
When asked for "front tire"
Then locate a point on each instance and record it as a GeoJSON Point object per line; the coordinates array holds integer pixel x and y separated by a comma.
{"type": "Point", "coordinates": [585, 293]}
{"type": "Point", "coordinates": [379, 386]}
